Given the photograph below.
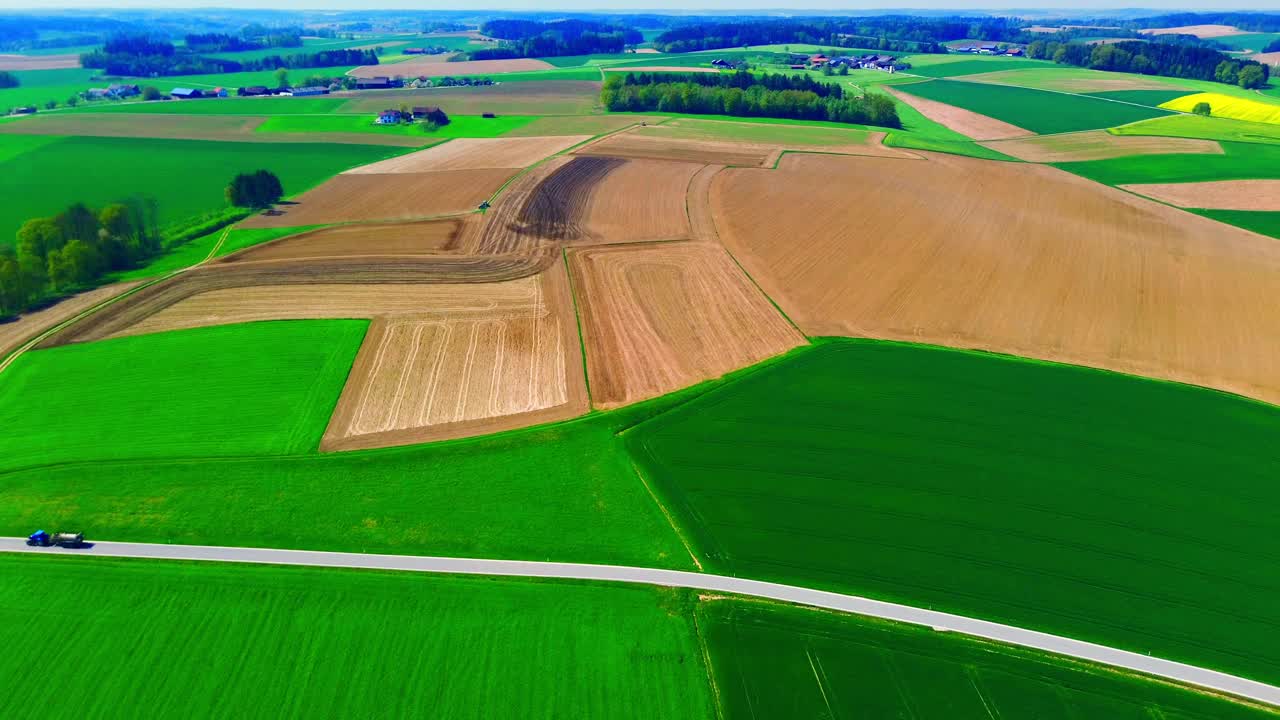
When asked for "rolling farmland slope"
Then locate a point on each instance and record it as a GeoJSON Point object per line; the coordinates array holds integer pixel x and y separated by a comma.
{"type": "Point", "coordinates": [1098, 506]}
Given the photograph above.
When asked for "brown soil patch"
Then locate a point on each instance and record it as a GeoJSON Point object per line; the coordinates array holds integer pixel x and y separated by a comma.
{"type": "Point", "coordinates": [13, 334]}
{"type": "Point", "coordinates": [593, 200]}
{"type": "Point", "coordinates": [403, 196]}
{"type": "Point", "coordinates": [1271, 58]}
{"type": "Point", "coordinates": [472, 369]}
{"type": "Point", "coordinates": [553, 97]}
{"type": "Point", "coordinates": [1200, 31]}
{"type": "Point", "coordinates": [39, 62]}
{"type": "Point", "coordinates": [589, 125]}
{"type": "Point", "coordinates": [1070, 84]}
{"type": "Point", "coordinates": [1261, 195]}
{"type": "Point", "coordinates": [634, 145]}
{"type": "Point", "coordinates": [702, 222]}
{"type": "Point", "coordinates": [431, 237]}
{"type": "Point", "coordinates": [662, 316]}
{"type": "Point", "coordinates": [661, 68]}
{"type": "Point", "coordinates": [428, 68]}
{"type": "Point", "coordinates": [1098, 145]}
{"type": "Point", "coordinates": [647, 51]}
{"type": "Point", "coordinates": [1009, 257]}
{"type": "Point", "coordinates": [231, 128]}
{"type": "Point", "coordinates": [474, 154]}
{"type": "Point", "coordinates": [965, 122]}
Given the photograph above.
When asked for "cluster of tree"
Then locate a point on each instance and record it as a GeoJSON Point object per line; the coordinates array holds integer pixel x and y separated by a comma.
{"type": "Point", "coordinates": [891, 33]}
{"type": "Point", "coordinates": [265, 37]}
{"type": "Point", "coordinates": [8, 79]}
{"type": "Point", "coordinates": [745, 94]}
{"type": "Point", "coordinates": [255, 190]}
{"type": "Point", "coordinates": [1273, 46]}
{"type": "Point", "coordinates": [530, 38]}
{"type": "Point", "coordinates": [442, 26]}
{"type": "Point", "coordinates": [73, 249]}
{"type": "Point", "coordinates": [30, 32]}
{"type": "Point", "coordinates": [1151, 58]}
{"type": "Point", "coordinates": [220, 42]}
{"type": "Point", "coordinates": [324, 58]}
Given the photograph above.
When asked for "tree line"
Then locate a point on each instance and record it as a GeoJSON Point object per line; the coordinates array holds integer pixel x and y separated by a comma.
{"type": "Point", "coordinates": [74, 248]}
{"type": "Point", "coordinates": [8, 79]}
{"type": "Point", "coordinates": [903, 35]}
{"type": "Point", "coordinates": [530, 38]}
{"type": "Point", "coordinates": [744, 94]}
{"type": "Point", "coordinates": [142, 55]}
{"type": "Point", "coordinates": [252, 38]}
{"type": "Point", "coordinates": [1151, 58]}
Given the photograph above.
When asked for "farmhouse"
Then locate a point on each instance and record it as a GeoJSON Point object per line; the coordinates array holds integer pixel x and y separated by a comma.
{"type": "Point", "coordinates": [389, 117]}
{"type": "Point", "coordinates": [119, 90]}
{"type": "Point", "coordinates": [818, 60]}
{"type": "Point", "coordinates": [25, 110]}
{"type": "Point", "coordinates": [97, 93]}
{"type": "Point", "coordinates": [306, 91]}
{"type": "Point", "coordinates": [374, 83]}
{"type": "Point", "coordinates": [219, 92]}
{"type": "Point", "coordinates": [721, 63]}
{"type": "Point", "coordinates": [253, 91]}
{"type": "Point", "coordinates": [185, 93]}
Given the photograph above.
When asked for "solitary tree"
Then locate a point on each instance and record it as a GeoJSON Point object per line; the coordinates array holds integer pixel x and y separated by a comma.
{"type": "Point", "coordinates": [1202, 108]}
{"type": "Point", "coordinates": [282, 78]}
{"type": "Point", "coordinates": [1252, 77]}
{"type": "Point", "coordinates": [256, 190]}
{"type": "Point", "coordinates": [151, 92]}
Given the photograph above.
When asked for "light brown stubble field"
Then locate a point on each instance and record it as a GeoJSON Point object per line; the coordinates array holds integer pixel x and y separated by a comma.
{"type": "Point", "coordinates": [966, 122]}
{"type": "Point", "coordinates": [1098, 145]}
{"type": "Point", "coordinates": [1014, 258]}
{"type": "Point", "coordinates": [1256, 195]}
{"type": "Point", "coordinates": [474, 154]}
{"type": "Point", "coordinates": [657, 317]}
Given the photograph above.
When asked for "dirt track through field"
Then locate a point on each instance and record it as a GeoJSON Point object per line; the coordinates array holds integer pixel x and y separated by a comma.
{"type": "Point", "coordinates": [657, 317]}
{"type": "Point", "coordinates": [404, 196]}
{"type": "Point", "coordinates": [966, 122]}
{"type": "Point", "coordinates": [1009, 257]}
{"type": "Point", "coordinates": [1098, 145]}
{"type": "Point", "coordinates": [702, 222]}
{"type": "Point", "coordinates": [471, 370]}
{"type": "Point", "coordinates": [429, 68]}
{"type": "Point", "coordinates": [13, 334]}
{"type": "Point", "coordinates": [704, 152]}
{"type": "Point", "coordinates": [474, 154]}
{"type": "Point", "coordinates": [1258, 195]}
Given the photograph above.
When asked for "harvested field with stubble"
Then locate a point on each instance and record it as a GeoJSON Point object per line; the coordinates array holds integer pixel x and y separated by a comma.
{"type": "Point", "coordinates": [638, 146]}
{"type": "Point", "coordinates": [966, 122]}
{"type": "Point", "coordinates": [431, 237]}
{"type": "Point", "coordinates": [474, 154]}
{"type": "Point", "coordinates": [589, 125]}
{"type": "Point", "coordinates": [1200, 31]}
{"type": "Point", "coordinates": [65, 61]}
{"type": "Point", "coordinates": [597, 200]}
{"type": "Point", "coordinates": [550, 97]}
{"type": "Point", "coordinates": [419, 67]}
{"type": "Point", "coordinates": [1098, 145]}
{"type": "Point", "coordinates": [231, 128]}
{"type": "Point", "coordinates": [1074, 82]}
{"type": "Point", "coordinates": [13, 334]}
{"type": "Point", "coordinates": [493, 357]}
{"type": "Point", "coordinates": [1258, 195]}
{"type": "Point", "coordinates": [662, 316]}
{"type": "Point", "coordinates": [387, 196]}
{"type": "Point", "coordinates": [1060, 268]}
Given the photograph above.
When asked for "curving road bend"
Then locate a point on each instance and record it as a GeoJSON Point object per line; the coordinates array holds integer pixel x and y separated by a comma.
{"type": "Point", "coordinates": [940, 621]}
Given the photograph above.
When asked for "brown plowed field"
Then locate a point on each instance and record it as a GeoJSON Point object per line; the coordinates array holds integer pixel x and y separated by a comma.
{"type": "Point", "coordinates": [321, 301]}
{"type": "Point", "coordinates": [702, 221]}
{"type": "Point", "coordinates": [1009, 257]}
{"type": "Point", "coordinates": [1271, 58]}
{"type": "Point", "coordinates": [638, 146]}
{"type": "Point", "coordinates": [13, 334]}
{"type": "Point", "coordinates": [1098, 145]}
{"type": "Point", "coordinates": [555, 97]}
{"type": "Point", "coordinates": [594, 200]}
{"type": "Point", "coordinates": [1200, 31]}
{"type": "Point", "coordinates": [474, 154]}
{"type": "Point", "coordinates": [229, 128]}
{"type": "Point", "coordinates": [657, 317]}
{"type": "Point", "coordinates": [453, 373]}
{"type": "Point", "coordinates": [405, 196]}
{"type": "Point", "coordinates": [1262, 195]}
{"type": "Point", "coordinates": [431, 237]}
{"type": "Point", "coordinates": [119, 317]}
{"type": "Point", "coordinates": [503, 231]}
{"type": "Point", "coordinates": [39, 62]}
{"type": "Point", "coordinates": [428, 68]}
{"type": "Point", "coordinates": [965, 122]}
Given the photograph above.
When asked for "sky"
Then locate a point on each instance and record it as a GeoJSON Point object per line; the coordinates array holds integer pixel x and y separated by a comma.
{"type": "Point", "coordinates": [682, 6]}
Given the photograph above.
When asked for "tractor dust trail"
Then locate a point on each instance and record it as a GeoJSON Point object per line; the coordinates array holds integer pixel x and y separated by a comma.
{"type": "Point", "coordinates": [1137, 662]}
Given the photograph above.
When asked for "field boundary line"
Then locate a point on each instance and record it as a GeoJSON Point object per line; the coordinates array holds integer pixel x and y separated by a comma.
{"type": "Point", "coordinates": [1153, 667]}
{"type": "Point", "coordinates": [667, 514]}
{"type": "Point", "coordinates": [577, 316]}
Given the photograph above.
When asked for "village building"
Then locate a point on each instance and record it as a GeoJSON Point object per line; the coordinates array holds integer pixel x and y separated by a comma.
{"type": "Point", "coordinates": [185, 93]}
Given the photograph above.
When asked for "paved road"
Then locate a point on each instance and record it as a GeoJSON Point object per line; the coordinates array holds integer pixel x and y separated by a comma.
{"type": "Point", "coordinates": [1178, 672]}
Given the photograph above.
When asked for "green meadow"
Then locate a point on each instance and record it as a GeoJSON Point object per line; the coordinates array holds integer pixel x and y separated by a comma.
{"type": "Point", "coordinates": [1035, 110]}
{"type": "Point", "coordinates": [1239, 161]}
{"type": "Point", "coordinates": [49, 176]}
{"type": "Point", "coordinates": [459, 126]}
{"type": "Point", "coordinates": [226, 391]}
{"type": "Point", "coordinates": [1263, 223]}
{"type": "Point", "coordinates": [928, 66]}
{"type": "Point", "coordinates": [224, 106]}
{"type": "Point", "coordinates": [776, 661]}
{"type": "Point", "coordinates": [1150, 98]}
{"type": "Point", "coordinates": [1205, 128]}
{"type": "Point", "coordinates": [1090, 504]}
{"type": "Point", "coordinates": [87, 637]}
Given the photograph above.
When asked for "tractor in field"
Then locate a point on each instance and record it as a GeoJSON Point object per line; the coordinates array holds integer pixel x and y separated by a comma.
{"type": "Point", "coordinates": [40, 538]}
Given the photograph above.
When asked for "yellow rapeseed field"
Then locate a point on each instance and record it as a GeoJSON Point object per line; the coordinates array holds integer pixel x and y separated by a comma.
{"type": "Point", "coordinates": [1229, 107]}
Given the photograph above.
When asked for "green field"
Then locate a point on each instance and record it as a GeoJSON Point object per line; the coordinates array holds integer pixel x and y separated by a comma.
{"type": "Point", "coordinates": [1150, 98]}
{"type": "Point", "coordinates": [99, 170]}
{"type": "Point", "coordinates": [1239, 161]}
{"type": "Point", "coordinates": [1090, 504]}
{"type": "Point", "coordinates": [38, 86]}
{"type": "Point", "coordinates": [166, 639]}
{"type": "Point", "coordinates": [563, 492]}
{"type": "Point", "coordinates": [224, 106]}
{"type": "Point", "coordinates": [1248, 41]}
{"type": "Point", "coordinates": [1208, 128]}
{"type": "Point", "coordinates": [1263, 223]}
{"type": "Point", "coordinates": [776, 661]}
{"type": "Point", "coordinates": [225, 391]}
{"type": "Point", "coordinates": [459, 126]}
{"type": "Point", "coordinates": [943, 66]}
{"type": "Point", "coordinates": [1035, 110]}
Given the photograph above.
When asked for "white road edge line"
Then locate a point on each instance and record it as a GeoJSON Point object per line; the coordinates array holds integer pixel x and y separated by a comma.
{"type": "Point", "coordinates": [939, 621]}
